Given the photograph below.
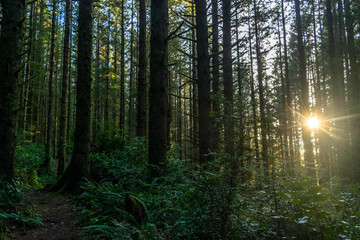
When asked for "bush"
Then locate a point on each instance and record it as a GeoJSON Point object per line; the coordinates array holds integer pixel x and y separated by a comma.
{"type": "Point", "coordinates": [28, 160]}
{"type": "Point", "coordinates": [13, 209]}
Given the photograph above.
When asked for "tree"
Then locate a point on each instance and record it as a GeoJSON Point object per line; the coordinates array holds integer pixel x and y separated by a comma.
{"type": "Point", "coordinates": [64, 91]}
{"type": "Point", "coordinates": [158, 87]}
{"type": "Point", "coordinates": [228, 79]}
{"type": "Point", "coordinates": [354, 90]}
{"type": "Point", "coordinates": [13, 14]}
{"type": "Point", "coordinates": [141, 98]}
{"type": "Point", "coordinates": [259, 60]}
{"type": "Point", "coordinates": [50, 91]}
{"type": "Point", "coordinates": [337, 85]}
{"type": "Point", "coordinates": [304, 94]}
{"type": "Point", "coordinates": [79, 167]}
{"type": "Point", "coordinates": [203, 80]}
{"type": "Point", "coordinates": [215, 72]}
{"type": "Point", "coordinates": [122, 69]}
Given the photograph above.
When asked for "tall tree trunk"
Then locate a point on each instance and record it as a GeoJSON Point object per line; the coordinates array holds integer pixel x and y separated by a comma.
{"type": "Point", "coordinates": [253, 99]}
{"type": "Point", "coordinates": [50, 90]}
{"type": "Point", "coordinates": [282, 120]}
{"type": "Point", "coordinates": [194, 113]}
{"type": "Point", "coordinates": [228, 79]}
{"type": "Point", "coordinates": [354, 91]}
{"type": "Point", "coordinates": [131, 73]}
{"type": "Point", "coordinates": [97, 80]}
{"type": "Point", "coordinates": [304, 95]}
{"type": "Point", "coordinates": [79, 167]}
{"type": "Point", "coordinates": [107, 76]}
{"type": "Point", "coordinates": [215, 74]}
{"type": "Point", "coordinates": [158, 88]}
{"type": "Point", "coordinates": [64, 91]}
{"type": "Point", "coordinates": [203, 80]}
{"type": "Point", "coordinates": [69, 104]}
{"type": "Point", "coordinates": [13, 15]}
{"type": "Point", "coordinates": [141, 101]}
{"type": "Point", "coordinates": [28, 79]}
{"type": "Point", "coordinates": [241, 98]}
{"type": "Point", "coordinates": [289, 122]}
{"type": "Point", "coordinates": [122, 69]}
{"type": "Point", "coordinates": [264, 143]}
{"type": "Point", "coordinates": [338, 90]}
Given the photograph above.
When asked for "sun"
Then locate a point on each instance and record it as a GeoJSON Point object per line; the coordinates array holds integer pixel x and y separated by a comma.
{"type": "Point", "coordinates": [313, 122]}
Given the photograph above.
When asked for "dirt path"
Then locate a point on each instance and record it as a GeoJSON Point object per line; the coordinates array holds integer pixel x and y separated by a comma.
{"type": "Point", "coordinates": [59, 217]}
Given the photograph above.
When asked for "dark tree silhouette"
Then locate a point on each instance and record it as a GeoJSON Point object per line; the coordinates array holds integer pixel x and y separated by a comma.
{"type": "Point", "coordinates": [13, 14]}
{"type": "Point", "coordinates": [79, 167]}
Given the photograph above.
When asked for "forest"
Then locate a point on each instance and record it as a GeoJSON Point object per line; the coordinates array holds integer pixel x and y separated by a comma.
{"type": "Point", "coordinates": [179, 119]}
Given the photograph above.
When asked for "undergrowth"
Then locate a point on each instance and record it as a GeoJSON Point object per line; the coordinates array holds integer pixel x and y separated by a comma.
{"type": "Point", "coordinates": [15, 212]}
{"type": "Point", "coordinates": [190, 202]}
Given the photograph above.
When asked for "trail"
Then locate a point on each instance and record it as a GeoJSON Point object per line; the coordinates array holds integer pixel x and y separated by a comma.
{"type": "Point", "coordinates": [59, 216]}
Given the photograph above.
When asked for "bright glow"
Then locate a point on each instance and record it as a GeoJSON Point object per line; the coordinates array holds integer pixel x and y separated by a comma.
{"type": "Point", "coordinates": [313, 122]}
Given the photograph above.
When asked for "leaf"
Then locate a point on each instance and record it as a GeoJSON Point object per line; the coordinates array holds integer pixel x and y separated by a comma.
{"type": "Point", "coordinates": [130, 218]}
{"type": "Point", "coordinates": [302, 220]}
{"type": "Point", "coordinates": [284, 195]}
{"type": "Point", "coordinates": [314, 189]}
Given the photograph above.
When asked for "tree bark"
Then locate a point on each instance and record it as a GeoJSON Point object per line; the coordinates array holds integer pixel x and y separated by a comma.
{"type": "Point", "coordinates": [354, 91]}
{"type": "Point", "coordinates": [264, 143]}
{"type": "Point", "coordinates": [141, 101]}
{"type": "Point", "coordinates": [158, 88]}
{"type": "Point", "coordinates": [215, 75]}
{"type": "Point", "coordinates": [64, 91]}
{"type": "Point", "coordinates": [50, 91]}
{"type": "Point", "coordinates": [228, 80]}
{"type": "Point", "coordinates": [107, 76]}
{"type": "Point", "coordinates": [203, 80]}
{"type": "Point", "coordinates": [338, 91]}
{"type": "Point", "coordinates": [304, 95]}
{"type": "Point", "coordinates": [13, 15]}
{"type": "Point", "coordinates": [122, 69]}
{"type": "Point", "coordinates": [79, 167]}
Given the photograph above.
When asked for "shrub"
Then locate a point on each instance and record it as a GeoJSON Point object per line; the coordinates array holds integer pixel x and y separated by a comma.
{"type": "Point", "coordinates": [28, 159]}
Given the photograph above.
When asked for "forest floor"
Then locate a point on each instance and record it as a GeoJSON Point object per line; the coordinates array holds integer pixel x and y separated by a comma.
{"type": "Point", "coordinates": [59, 216]}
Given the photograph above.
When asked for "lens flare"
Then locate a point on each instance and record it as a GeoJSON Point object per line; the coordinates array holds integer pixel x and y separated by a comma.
{"type": "Point", "coordinates": [313, 122]}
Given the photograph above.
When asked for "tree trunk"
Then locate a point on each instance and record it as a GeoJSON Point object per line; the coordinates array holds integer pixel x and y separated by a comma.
{"type": "Point", "coordinates": [50, 91]}
{"type": "Point", "coordinates": [122, 69]}
{"type": "Point", "coordinates": [64, 91]}
{"type": "Point", "coordinates": [131, 77]}
{"type": "Point", "coordinates": [13, 15]}
{"type": "Point", "coordinates": [158, 88]}
{"type": "Point", "coordinates": [354, 91]}
{"type": "Point", "coordinates": [215, 75]}
{"type": "Point", "coordinates": [97, 81]}
{"type": "Point", "coordinates": [194, 113]}
{"type": "Point", "coordinates": [79, 167]}
{"type": "Point", "coordinates": [141, 101]}
{"type": "Point", "coordinates": [253, 100]}
{"type": "Point", "coordinates": [228, 80]}
{"type": "Point", "coordinates": [338, 91]}
{"type": "Point", "coordinates": [203, 80]}
{"type": "Point", "coordinates": [107, 76]}
{"type": "Point", "coordinates": [304, 95]}
{"type": "Point", "coordinates": [264, 143]}
{"type": "Point", "coordinates": [289, 122]}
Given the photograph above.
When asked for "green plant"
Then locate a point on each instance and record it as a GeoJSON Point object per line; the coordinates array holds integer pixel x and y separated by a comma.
{"type": "Point", "coordinates": [28, 159]}
{"type": "Point", "coordinates": [13, 209]}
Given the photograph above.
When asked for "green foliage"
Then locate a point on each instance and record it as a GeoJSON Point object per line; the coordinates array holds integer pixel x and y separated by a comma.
{"type": "Point", "coordinates": [13, 209]}
{"type": "Point", "coordinates": [187, 204]}
{"type": "Point", "coordinates": [28, 159]}
{"type": "Point", "coordinates": [319, 213]}
{"type": "Point", "coordinates": [108, 141]}
{"type": "Point", "coordinates": [196, 202]}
